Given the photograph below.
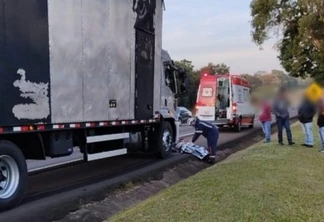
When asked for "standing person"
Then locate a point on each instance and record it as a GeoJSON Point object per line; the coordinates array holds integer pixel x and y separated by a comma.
{"type": "Point", "coordinates": [320, 124]}
{"type": "Point", "coordinates": [280, 109]}
{"type": "Point", "coordinates": [209, 131]}
{"type": "Point", "coordinates": [306, 112]}
{"type": "Point", "coordinates": [222, 102]}
{"type": "Point", "coordinates": [265, 119]}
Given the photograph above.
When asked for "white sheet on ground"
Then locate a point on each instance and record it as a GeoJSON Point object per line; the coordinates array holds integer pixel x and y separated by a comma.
{"type": "Point", "coordinates": [193, 149]}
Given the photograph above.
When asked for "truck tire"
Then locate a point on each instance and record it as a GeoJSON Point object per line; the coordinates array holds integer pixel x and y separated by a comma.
{"type": "Point", "coordinates": [13, 175]}
{"type": "Point", "coordinates": [238, 126]}
{"type": "Point", "coordinates": [252, 124]}
{"type": "Point", "coordinates": [166, 141]}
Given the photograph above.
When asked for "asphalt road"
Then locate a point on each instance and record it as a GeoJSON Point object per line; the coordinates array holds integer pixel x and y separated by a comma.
{"type": "Point", "coordinates": [185, 131]}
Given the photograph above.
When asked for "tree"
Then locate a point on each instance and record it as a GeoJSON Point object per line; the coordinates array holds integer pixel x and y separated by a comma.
{"type": "Point", "coordinates": [213, 69]}
{"type": "Point", "coordinates": [189, 99]}
{"type": "Point", "coordinates": [300, 25]}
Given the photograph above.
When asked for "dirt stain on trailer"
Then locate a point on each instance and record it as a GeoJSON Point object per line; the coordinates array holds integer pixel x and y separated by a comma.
{"type": "Point", "coordinates": [37, 93]}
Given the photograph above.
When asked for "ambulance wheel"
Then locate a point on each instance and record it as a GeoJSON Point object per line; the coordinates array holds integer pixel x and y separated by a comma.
{"type": "Point", "coordinates": [166, 141]}
{"type": "Point", "coordinates": [238, 126]}
{"type": "Point", "coordinates": [13, 175]}
{"type": "Point", "coordinates": [252, 125]}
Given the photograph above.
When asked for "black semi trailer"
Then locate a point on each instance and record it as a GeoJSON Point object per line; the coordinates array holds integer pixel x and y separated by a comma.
{"type": "Point", "coordinates": [81, 73]}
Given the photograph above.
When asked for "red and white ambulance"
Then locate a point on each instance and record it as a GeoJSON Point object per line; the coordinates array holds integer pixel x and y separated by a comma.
{"type": "Point", "coordinates": [225, 100]}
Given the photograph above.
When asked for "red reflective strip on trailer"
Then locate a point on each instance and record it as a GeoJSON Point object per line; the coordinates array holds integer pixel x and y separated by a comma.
{"type": "Point", "coordinates": [24, 128]}
{"type": "Point", "coordinates": [41, 127]}
{"type": "Point", "coordinates": [60, 126]}
{"type": "Point", "coordinates": [90, 124]}
{"type": "Point", "coordinates": [1, 130]}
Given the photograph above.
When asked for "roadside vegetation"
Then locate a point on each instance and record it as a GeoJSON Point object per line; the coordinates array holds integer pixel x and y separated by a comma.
{"type": "Point", "coordinates": [265, 182]}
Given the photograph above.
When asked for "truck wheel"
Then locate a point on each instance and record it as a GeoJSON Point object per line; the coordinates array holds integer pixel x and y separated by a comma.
{"type": "Point", "coordinates": [166, 141]}
{"type": "Point", "coordinates": [252, 125]}
{"type": "Point", "coordinates": [238, 126]}
{"type": "Point", "coordinates": [13, 175]}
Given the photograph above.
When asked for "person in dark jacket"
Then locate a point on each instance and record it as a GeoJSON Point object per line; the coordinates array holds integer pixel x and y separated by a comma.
{"type": "Point", "coordinates": [320, 124]}
{"type": "Point", "coordinates": [306, 113]}
{"type": "Point", "coordinates": [280, 110]}
{"type": "Point", "coordinates": [209, 131]}
{"type": "Point", "coordinates": [265, 119]}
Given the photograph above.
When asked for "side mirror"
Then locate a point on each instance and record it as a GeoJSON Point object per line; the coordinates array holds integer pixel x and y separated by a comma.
{"type": "Point", "coordinates": [184, 81]}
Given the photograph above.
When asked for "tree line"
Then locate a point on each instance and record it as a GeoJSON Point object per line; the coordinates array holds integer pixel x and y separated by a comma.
{"type": "Point", "coordinates": [299, 26]}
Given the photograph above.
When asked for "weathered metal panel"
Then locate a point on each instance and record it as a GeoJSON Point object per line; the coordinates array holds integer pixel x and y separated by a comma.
{"type": "Point", "coordinates": [144, 75]}
{"type": "Point", "coordinates": [158, 50]}
{"type": "Point", "coordinates": [2, 25]}
{"type": "Point", "coordinates": [96, 65]}
{"type": "Point", "coordinates": [24, 63]}
{"type": "Point", "coordinates": [65, 37]}
{"type": "Point", "coordinates": [120, 43]}
{"type": "Point", "coordinates": [132, 37]}
{"type": "Point", "coordinates": [144, 58]}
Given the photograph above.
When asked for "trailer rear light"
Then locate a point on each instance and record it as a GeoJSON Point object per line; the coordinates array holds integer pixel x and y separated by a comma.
{"type": "Point", "coordinates": [1, 130]}
{"type": "Point", "coordinates": [234, 107]}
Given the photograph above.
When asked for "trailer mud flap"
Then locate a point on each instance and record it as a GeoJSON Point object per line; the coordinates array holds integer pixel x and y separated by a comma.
{"type": "Point", "coordinates": [144, 68]}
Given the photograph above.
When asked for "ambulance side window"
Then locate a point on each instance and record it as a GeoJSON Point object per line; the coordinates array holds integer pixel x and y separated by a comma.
{"type": "Point", "coordinates": [246, 95]}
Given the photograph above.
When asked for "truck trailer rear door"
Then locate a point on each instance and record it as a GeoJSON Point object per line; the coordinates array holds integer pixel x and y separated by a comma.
{"type": "Point", "coordinates": [144, 69]}
{"type": "Point", "coordinates": [144, 58]}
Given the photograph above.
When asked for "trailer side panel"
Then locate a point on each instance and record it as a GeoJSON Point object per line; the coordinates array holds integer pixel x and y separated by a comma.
{"type": "Point", "coordinates": [96, 59]}
{"type": "Point", "coordinates": [65, 37]}
{"type": "Point", "coordinates": [121, 46]}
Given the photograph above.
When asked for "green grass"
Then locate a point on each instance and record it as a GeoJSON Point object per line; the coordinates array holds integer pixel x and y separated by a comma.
{"type": "Point", "coordinates": [265, 182]}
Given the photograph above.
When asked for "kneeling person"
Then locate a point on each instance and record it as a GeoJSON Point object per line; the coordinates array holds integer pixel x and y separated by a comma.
{"type": "Point", "coordinates": [209, 131]}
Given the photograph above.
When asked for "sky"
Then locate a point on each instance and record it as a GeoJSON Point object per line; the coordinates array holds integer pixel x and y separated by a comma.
{"type": "Point", "coordinates": [217, 31]}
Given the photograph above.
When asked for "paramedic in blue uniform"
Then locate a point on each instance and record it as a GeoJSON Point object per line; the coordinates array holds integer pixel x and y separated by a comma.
{"type": "Point", "coordinates": [209, 131]}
